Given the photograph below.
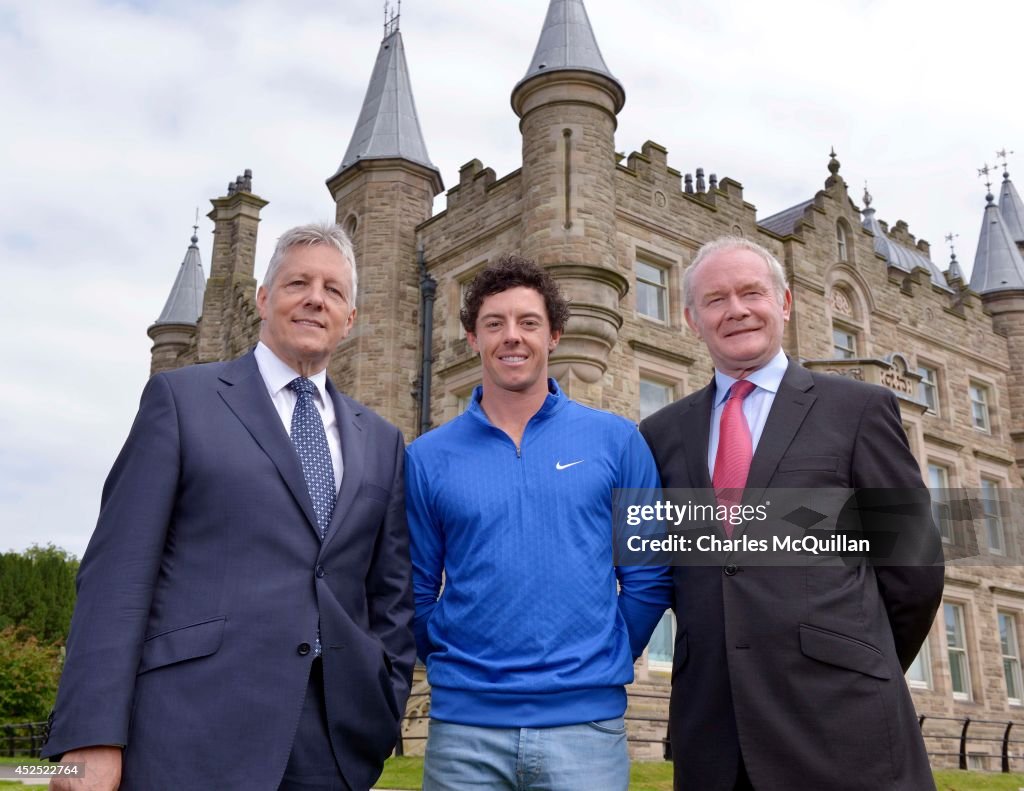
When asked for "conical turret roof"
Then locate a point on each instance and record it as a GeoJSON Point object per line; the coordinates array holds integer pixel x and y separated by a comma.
{"type": "Point", "coordinates": [185, 303]}
{"type": "Point", "coordinates": [1012, 209]}
{"type": "Point", "coordinates": [567, 43]}
{"type": "Point", "coordinates": [998, 265]}
{"type": "Point", "coordinates": [388, 126]}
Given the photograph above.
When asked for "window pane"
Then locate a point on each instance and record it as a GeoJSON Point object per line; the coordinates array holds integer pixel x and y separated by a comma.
{"type": "Point", "coordinates": [653, 396]}
{"type": "Point", "coordinates": [663, 639]}
{"type": "Point", "coordinates": [928, 389]}
{"type": "Point", "coordinates": [844, 344]}
{"type": "Point", "coordinates": [979, 406]}
{"type": "Point", "coordinates": [990, 493]}
{"type": "Point", "coordinates": [652, 274]}
{"type": "Point", "coordinates": [650, 300]}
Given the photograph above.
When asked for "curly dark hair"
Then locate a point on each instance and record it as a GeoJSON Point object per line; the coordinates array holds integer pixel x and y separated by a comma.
{"type": "Point", "coordinates": [509, 272]}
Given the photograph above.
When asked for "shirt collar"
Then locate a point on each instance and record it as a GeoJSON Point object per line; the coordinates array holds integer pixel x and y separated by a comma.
{"type": "Point", "coordinates": [767, 377]}
{"type": "Point", "coordinates": [277, 374]}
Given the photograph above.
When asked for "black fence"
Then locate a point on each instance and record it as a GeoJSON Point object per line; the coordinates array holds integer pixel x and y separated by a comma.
{"type": "Point", "coordinates": [21, 738]}
{"type": "Point", "coordinates": [965, 739]}
{"type": "Point", "coordinates": [962, 738]}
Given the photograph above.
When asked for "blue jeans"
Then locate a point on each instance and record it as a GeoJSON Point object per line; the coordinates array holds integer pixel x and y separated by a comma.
{"type": "Point", "coordinates": [590, 756]}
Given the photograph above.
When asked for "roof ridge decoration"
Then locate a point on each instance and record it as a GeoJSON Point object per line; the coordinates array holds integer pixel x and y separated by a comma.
{"type": "Point", "coordinates": [1010, 204]}
{"type": "Point", "coordinates": [567, 43]}
{"type": "Point", "coordinates": [185, 302]}
{"type": "Point", "coordinates": [388, 126]}
{"type": "Point", "coordinates": [898, 255]}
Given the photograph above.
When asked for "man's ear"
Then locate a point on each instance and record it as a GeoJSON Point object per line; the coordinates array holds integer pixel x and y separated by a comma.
{"type": "Point", "coordinates": [555, 338]}
{"type": "Point", "coordinates": [471, 339]}
{"type": "Point", "coordinates": [690, 321]}
{"type": "Point", "coordinates": [261, 302]}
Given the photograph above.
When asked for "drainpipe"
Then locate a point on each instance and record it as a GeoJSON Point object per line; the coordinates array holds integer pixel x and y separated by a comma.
{"type": "Point", "coordinates": [428, 292]}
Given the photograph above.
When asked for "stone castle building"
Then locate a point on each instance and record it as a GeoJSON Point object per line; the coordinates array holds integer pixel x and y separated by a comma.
{"type": "Point", "coordinates": [618, 231]}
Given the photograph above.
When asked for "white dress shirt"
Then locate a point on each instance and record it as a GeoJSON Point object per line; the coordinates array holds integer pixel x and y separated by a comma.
{"type": "Point", "coordinates": [276, 376]}
{"type": "Point", "coordinates": [756, 406]}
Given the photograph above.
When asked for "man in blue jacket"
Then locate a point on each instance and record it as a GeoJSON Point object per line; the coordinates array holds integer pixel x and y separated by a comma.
{"type": "Point", "coordinates": [531, 641]}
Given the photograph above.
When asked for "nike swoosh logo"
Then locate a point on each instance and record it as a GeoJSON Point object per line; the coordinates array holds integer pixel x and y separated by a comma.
{"type": "Point", "coordinates": [560, 466]}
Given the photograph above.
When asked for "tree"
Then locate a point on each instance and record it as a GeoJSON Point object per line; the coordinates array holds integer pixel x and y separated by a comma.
{"type": "Point", "coordinates": [37, 592]}
{"type": "Point", "coordinates": [29, 672]}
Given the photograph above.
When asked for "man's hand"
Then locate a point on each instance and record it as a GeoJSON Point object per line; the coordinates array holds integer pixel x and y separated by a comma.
{"type": "Point", "coordinates": [101, 770]}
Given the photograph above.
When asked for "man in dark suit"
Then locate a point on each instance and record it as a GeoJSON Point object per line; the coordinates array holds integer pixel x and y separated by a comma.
{"type": "Point", "coordinates": [244, 605]}
{"type": "Point", "coordinates": [790, 678]}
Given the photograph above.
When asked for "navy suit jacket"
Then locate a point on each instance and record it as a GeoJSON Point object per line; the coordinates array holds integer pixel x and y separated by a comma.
{"type": "Point", "coordinates": [800, 669]}
{"type": "Point", "coordinates": [201, 589]}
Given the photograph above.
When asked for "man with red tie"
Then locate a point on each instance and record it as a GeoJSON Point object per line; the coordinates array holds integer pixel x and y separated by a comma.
{"type": "Point", "coordinates": [789, 677]}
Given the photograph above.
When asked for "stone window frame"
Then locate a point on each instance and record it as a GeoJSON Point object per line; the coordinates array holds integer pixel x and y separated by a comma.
{"type": "Point", "coordinates": [844, 242]}
{"type": "Point", "coordinates": [644, 259]}
{"type": "Point", "coordinates": [994, 509]}
{"type": "Point", "coordinates": [964, 650]}
{"type": "Point", "coordinates": [949, 467]}
{"type": "Point", "coordinates": [668, 620]}
{"type": "Point", "coordinates": [986, 388]}
{"type": "Point", "coordinates": [672, 375]}
{"type": "Point", "coordinates": [924, 364]}
{"type": "Point", "coordinates": [458, 281]}
{"type": "Point", "coordinates": [844, 284]}
{"type": "Point", "coordinates": [1013, 614]}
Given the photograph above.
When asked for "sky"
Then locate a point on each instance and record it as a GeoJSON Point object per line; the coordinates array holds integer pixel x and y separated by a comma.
{"type": "Point", "coordinates": [121, 117]}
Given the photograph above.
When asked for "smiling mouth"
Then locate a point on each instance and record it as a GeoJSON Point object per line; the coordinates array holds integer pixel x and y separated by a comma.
{"type": "Point", "coordinates": [512, 359]}
{"type": "Point", "coordinates": [309, 323]}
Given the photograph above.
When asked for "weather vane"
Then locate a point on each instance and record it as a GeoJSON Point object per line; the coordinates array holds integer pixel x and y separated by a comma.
{"type": "Point", "coordinates": [1003, 156]}
{"type": "Point", "coordinates": [951, 238]}
{"type": "Point", "coordinates": [984, 172]}
{"type": "Point", "coordinates": [391, 17]}
{"type": "Point", "coordinates": [196, 226]}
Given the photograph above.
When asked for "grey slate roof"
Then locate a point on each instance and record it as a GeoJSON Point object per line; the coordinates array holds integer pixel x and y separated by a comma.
{"type": "Point", "coordinates": [899, 255]}
{"type": "Point", "coordinates": [388, 127]}
{"type": "Point", "coordinates": [998, 265]}
{"type": "Point", "coordinates": [954, 271]}
{"type": "Point", "coordinates": [567, 42]}
{"type": "Point", "coordinates": [185, 302]}
{"type": "Point", "coordinates": [783, 223]}
{"type": "Point", "coordinates": [1012, 209]}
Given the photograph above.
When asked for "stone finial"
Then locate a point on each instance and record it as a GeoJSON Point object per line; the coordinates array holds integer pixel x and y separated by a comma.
{"type": "Point", "coordinates": [713, 181]}
{"type": "Point", "coordinates": [247, 180]}
{"type": "Point", "coordinates": [700, 180]}
{"type": "Point", "coordinates": [231, 188]}
{"type": "Point", "coordinates": [688, 184]}
{"type": "Point", "coordinates": [833, 163]}
{"type": "Point", "coordinates": [867, 196]}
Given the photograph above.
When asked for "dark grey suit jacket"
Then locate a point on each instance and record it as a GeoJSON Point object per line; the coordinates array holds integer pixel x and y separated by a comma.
{"type": "Point", "coordinates": [800, 669]}
{"type": "Point", "coordinates": [202, 587]}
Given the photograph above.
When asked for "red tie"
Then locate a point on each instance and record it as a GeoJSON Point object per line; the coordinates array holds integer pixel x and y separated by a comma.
{"type": "Point", "coordinates": [735, 449]}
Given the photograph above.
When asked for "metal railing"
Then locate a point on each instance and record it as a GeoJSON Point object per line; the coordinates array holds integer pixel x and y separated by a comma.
{"type": "Point", "coordinates": [21, 738]}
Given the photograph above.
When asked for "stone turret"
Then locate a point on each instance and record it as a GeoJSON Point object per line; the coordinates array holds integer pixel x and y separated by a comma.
{"type": "Point", "coordinates": [383, 189]}
{"type": "Point", "coordinates": [174, 332]}
{"type": "Point", "coordinates": [568, 104]}
{"type": "Point", "coordinates": [230, 324]}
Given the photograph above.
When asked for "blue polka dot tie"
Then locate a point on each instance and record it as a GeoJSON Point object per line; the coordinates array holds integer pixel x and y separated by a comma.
{"type": "Point", "coordinates": [310, 442]}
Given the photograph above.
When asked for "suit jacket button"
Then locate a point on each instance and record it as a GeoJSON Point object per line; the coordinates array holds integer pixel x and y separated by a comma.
{"type": "Point", "coordinates": [730, 570]}
{"type": "Point", "coordinates": [320, 571]}
{"type": "Point", "coordinates": [304, 648]}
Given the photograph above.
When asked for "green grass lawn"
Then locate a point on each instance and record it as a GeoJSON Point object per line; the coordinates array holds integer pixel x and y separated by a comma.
{"type": "Point", "coordinates": [407, 773]}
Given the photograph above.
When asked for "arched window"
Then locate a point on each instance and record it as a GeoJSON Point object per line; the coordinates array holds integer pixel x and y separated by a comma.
{"type": "Point", "coordinates": [841, 241]}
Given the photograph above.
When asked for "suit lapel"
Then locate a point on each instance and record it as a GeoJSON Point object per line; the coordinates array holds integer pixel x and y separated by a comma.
{"type": "Point", "coordinates": [353, 453]}
{"type": "Point", "coordinates": [695, 426]}
{"type": "Point", "coordinates": [792, 403]}
{"type": "Point", "coordinates": [246, 396]}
